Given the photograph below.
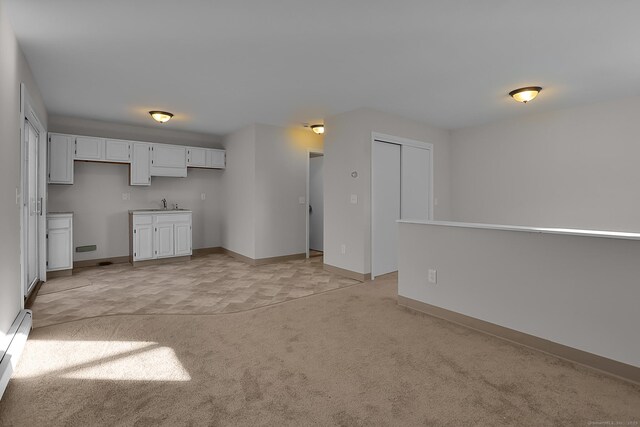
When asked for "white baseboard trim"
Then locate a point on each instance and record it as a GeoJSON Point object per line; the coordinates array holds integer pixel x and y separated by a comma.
{"type": "Point", "coordinates": [17, 338]}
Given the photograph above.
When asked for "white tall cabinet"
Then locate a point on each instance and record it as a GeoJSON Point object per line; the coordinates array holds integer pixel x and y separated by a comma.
{"type": "Point", "coordinates": [159, 234]}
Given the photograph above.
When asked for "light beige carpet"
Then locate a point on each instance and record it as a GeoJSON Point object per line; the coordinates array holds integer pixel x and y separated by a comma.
{"type": "Point", "coordinates": [208, 284]}
{"type": "Point", "coordinates": [349, 357]}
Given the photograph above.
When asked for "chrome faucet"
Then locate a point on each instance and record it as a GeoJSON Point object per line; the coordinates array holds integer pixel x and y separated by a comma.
{"type": "Point", "coordinates": [164, 203]}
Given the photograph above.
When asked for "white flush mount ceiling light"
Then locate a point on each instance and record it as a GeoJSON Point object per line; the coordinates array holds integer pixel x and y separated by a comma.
{"type": "Point", "coordinates": [319, 129]}
{"type": "Point", "coordinates": [161, 116]}
{"type": "Point", "coordinates": [525, 94]}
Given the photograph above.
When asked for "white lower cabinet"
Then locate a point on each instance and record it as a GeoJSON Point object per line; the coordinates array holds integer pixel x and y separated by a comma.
{"type": "Point", "coordinates": [143, 241]}
{"type": "Point", "coordinates": [160, 234]}
{"type": "Point", "coordinates": [59, 241]}
{"type": "Point", "coordinates": [182, 238]}
{"type": "Point", "coordinates": [164, 240]}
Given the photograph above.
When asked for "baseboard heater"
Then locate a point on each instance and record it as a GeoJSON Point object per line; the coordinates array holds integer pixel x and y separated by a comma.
{"type": "Point", "coordinates": [12, 347]}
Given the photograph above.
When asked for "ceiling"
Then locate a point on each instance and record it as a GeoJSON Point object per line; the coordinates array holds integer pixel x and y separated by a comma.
{"type": "Point", "coordinates": [220, 65]}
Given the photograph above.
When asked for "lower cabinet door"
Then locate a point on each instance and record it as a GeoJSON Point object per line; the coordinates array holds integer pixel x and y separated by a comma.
{"type": "Point", "coordinates": [183, 239]}
{"type": "Point", "coordinates": [164, 239]}
{"type": "Point", "coordinates": [59, 254]}
{"type": "Point", "coordinates": [143, 243]}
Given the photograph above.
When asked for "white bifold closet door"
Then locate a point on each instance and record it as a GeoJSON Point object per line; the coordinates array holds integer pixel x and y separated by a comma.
{"type": "Point", "coordinates": [400, 189]}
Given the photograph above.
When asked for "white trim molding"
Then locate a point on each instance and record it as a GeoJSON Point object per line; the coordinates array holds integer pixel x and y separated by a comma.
{"type": "Point", "coordinates": [13, 346]}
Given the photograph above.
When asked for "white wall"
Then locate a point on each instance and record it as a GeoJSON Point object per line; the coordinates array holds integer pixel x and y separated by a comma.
{"type": "Point", "coordinates": [266, 175]}
{"type": "Point", "coordinates": [13, 70]}
{"type": "Point", "coordinates": [238, 220]}
{"type": "Point", "coordinates": [281, 179]}
{"type": "Point", "coordinates": [348, 148]}
{"type": "Point", "coordinates": [573, 168]}
{"type": "Point", "coordinates": [578, 291]}
{"type": "Point", "coordinates": [100, 214]}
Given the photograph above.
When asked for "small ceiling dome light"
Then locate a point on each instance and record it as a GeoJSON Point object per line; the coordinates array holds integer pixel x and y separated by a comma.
{"type": "Point", "coordinates": [319, 129]}
{"type": "Point", "coordinates": [161, 116]}
{"type": "Point", "coordinates": [525, 94]}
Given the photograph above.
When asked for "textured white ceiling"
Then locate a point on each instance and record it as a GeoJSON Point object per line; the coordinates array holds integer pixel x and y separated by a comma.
{"type": "Point", "coordinates": [220, 65]}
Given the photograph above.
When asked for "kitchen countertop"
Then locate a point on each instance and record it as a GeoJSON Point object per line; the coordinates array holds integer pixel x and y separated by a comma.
{"type": "Point", "coordinates": [159, 211]}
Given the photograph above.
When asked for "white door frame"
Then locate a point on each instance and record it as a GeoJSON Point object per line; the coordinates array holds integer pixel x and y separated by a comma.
{"type": "Point", "coordinates": [310, 151]}
{"type": "Point", "coordinates": [381, 137]}
{"type": "Point", "coordinates": [27, 112]}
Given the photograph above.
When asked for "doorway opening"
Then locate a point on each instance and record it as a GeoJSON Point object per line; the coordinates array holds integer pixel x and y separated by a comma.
{"type": "Point", "coordinates": [315, 204]}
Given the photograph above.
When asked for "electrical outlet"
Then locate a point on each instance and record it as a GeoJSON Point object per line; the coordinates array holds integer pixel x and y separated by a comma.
{"type": "Point", "coordinates": [203, 196]}
{"type": "Point", "coordinates": [433, 276]}
{"type": "Point", "coordinates": [126, 196]}
{"type": "Point", "coordinates": [354, 199]}
{"type": "Point", "coordinates": [302, 200]}
{"type": "Point", "coordinates": [343, 249]}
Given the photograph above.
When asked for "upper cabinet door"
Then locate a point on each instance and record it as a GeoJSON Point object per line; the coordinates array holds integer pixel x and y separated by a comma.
{"type": "Point", "coordinates": [216, 159]}
{"type": "Point", "coordinates": [140, 169]}
{"type": "Point", "coordinates": [196, 157]}
{"type": "Point", "coordinates": [168, 156]}
{"type": "Point", "coordinates": [117, 151]}
{"type": "Point", "coordinates": [168, 160]}
{"type": "Point", "coordinates": [88, 148]}
{"type": "Point", "coordinates": [60, 159]}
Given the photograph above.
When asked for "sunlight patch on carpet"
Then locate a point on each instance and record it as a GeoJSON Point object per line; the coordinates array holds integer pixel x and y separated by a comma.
{"type": "Point", "coordinates": [102, 360]}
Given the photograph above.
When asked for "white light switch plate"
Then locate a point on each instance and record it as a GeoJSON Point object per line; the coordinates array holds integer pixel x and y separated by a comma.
{"type": "Point", "coordinates": [203, 196]}
{"type": "Point", "coordinates": [126, 196]}
{"type": "Point", "coordinates": [354, 199]}
{"type": "Point", "coordinates": [302, 200]}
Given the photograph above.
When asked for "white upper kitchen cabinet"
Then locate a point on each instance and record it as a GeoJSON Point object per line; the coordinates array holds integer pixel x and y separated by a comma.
{"type": "Point", "coordinates": [168, 160]}
{"type": "Point", "coordinates": [117, 151]}
{"type": "Point", "coordinates": [61, 149]}
{"type": "Point", "coordinates": [196, 157]}
{"type": "Point", "coordinates": [140, 169]}
{"type": "Point", "coordinates": [89, 148]}
{"type": "Point", "coordinates": [216, 159]}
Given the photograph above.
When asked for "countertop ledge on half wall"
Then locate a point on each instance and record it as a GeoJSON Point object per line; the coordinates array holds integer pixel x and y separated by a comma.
{"type": "Point", "coordinates": [565, 231]}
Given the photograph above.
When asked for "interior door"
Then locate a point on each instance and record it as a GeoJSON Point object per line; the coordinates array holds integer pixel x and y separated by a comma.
{"type": "Point", "coordinates": [385, 202]}
{"type": "Point", "coordinates": [316, 204]}
{"type": "Point", "coordinates": [32, 206]}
